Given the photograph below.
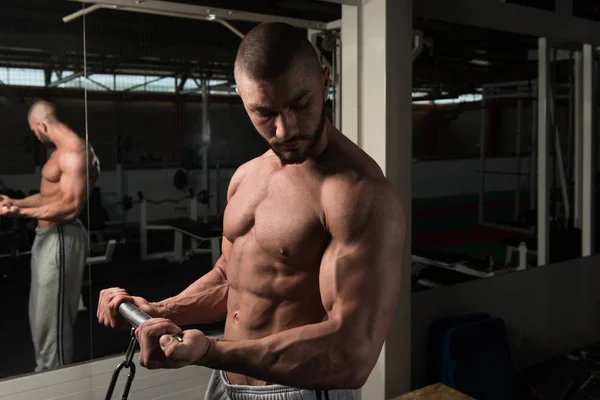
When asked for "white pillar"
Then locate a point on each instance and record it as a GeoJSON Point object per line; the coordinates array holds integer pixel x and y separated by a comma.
{"type": "Point", "coordinates": [588, 164]}
{"type": "Point", "coordinates": [350, 73]}
{"type": "Point", "coordinates": [543, 165]}
{"type": "Point", "coordinates": [385, 133]}
{"type": "Point", "coordinates": [350, 84]}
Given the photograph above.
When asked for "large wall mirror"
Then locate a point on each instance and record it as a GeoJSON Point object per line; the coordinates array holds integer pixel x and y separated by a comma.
{"type": "Point", "coordinates": [42, 243]}
{"type": "Point", "coordinates": [169, 130]}
{"type": "Point", "coordinates": [475, 123]}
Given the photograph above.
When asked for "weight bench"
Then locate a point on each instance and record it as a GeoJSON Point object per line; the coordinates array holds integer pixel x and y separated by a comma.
{"type": "Point", "coordinates": [198, 233]}
{"type": "Point", "coordinates": [450, 262]}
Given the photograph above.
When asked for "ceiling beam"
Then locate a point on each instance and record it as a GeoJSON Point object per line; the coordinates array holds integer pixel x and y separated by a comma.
{"type": "Point", "coordinates": [179, 10]}
{"type": "Point", "coordinates": [498, 15]}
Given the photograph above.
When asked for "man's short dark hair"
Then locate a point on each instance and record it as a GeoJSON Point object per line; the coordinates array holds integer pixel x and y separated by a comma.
{"type": "Point", "coordinates": [271, 48]}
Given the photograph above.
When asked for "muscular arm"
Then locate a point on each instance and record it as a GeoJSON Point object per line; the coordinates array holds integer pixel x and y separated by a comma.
{"type": "Point", "coordinates": [30, 201]}
{"type": "Point", "coordinates": [72, 188]}
{"type": "Point", "coordinates": [204, 301]}
{"type": "Point", "coordinates": [359, 281]}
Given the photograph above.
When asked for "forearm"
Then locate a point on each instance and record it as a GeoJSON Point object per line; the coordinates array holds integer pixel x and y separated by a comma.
{"type": "Point", "coordinates": [317, 356]}
{"type": "Point", "coordinates": [31, 201]}
{"type": "Point", "coordinates": [58, 212]}
{"type": "Point", "coordinates": [203, 302]}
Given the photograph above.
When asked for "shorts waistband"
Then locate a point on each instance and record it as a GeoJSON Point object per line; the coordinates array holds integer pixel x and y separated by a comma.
{"type": "Point", "coordinates": [267, 389]}
{"type": "Point", "coordinates": [51, 228]}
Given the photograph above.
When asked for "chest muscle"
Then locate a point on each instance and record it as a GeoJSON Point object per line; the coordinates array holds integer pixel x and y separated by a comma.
{"type": "Point", "coordinates": [279, 216]}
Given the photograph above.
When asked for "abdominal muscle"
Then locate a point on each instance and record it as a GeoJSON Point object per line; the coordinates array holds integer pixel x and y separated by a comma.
{"type": "Point", "coordinates": [261, 307]}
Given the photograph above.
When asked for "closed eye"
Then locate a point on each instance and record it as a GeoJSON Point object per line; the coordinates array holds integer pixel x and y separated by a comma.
{"type": "Point", "coordinates": [270, 114]}
{"type": "Point", "coordinates": [299, 106]}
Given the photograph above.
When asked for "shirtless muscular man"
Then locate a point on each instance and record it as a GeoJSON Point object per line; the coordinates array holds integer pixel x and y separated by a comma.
{"type": "Point", "coordinates": [59, 251]}
{"type": "Point", "coordinates": [313, 237]}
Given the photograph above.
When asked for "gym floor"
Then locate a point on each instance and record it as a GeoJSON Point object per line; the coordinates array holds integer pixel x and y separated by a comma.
{"type": "Point", "coordinates": [153, 280]}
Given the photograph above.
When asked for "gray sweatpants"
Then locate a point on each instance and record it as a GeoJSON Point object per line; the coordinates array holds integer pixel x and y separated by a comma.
{"type": "Point", "coordinates": [58, 259]}
{"type": "Point", "coordinates": [220, 389]}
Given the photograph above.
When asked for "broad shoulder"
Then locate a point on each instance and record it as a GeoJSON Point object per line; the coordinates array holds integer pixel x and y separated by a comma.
{"type": "Point", "coordinates": [72, 157]}
{"type": "Point", "coordinates": [353, 205]}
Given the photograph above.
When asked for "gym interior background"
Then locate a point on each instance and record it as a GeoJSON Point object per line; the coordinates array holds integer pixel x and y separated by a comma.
{"type": "Point", "coordinates": [154, 95]}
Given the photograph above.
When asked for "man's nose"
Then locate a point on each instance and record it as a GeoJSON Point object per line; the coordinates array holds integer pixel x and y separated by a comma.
{"type": "Point", "coordinates": [287, 125]}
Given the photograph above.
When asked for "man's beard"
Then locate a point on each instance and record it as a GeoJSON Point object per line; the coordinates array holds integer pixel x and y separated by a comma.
{"type": "Point", "coordinates": [45, 140]}
{"type": "Point", "coordinates": [298, 156]}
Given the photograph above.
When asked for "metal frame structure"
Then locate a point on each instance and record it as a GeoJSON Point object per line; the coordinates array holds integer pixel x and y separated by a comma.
{"type": "Point", "coordinates": [189, 11]}
{"type": "Point", "coordinates": [526, 90]}
{"type": "Point", "coordinates": [543, 194]}
{"type": "Point", "coordinates": [521, 90]}
{"type": "Point", "coordinates": [588, 164]}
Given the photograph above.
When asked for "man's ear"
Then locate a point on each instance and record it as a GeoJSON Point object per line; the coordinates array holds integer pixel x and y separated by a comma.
{"type": "Point", "coordinates": [326, 81]}
{"type": "Point", "coordinates": [42, 127]}
{"type": "Point", "coordinates": [237, 90]}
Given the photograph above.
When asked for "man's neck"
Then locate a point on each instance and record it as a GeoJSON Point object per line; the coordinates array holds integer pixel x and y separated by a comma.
{"type": "Point", "coordinates": [327, 138]}
{"type": "Point", "coordinates": [60, 135]}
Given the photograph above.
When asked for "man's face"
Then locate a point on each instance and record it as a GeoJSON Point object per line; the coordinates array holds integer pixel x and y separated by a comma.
{"type": "Point", "coordinates": [38, 130]}
{"type": "Point", "coordinates": [288, 112]}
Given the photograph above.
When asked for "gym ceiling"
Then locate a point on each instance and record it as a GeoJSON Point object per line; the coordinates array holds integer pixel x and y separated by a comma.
{"type": "Point", "coordinates": [454, 60]}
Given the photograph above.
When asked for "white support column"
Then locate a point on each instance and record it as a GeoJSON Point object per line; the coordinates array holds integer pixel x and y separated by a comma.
{"type": "Point", "coordinates": [543, 252]}
{"type": "Point", "coordinates": [578, 125]}
{"type": "Point", "coordinates": [588, 164]}
{"type": "Point", "coordinates": [350, 73]}
{"type": "Point", "coordinates": [350, 88]}
{"type": "Point", "coordinates": [385, 51]}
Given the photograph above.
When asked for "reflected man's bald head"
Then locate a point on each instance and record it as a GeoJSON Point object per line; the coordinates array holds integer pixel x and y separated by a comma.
{"type": "Point", "coordinates": [41, 116]}
{"type": "Point", "coordinates": [42, 111]}
{"type": "Point", "coordinates": [272, 48]}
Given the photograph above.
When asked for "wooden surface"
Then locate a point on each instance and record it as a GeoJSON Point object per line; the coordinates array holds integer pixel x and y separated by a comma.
{"type": "Point", "coordinates": [434, 392]}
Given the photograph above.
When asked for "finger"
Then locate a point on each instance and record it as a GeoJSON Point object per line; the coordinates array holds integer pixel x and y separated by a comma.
{"type": "Point", "coordinates": [150, 331]}
{"type": "Point", "coordinates": [112, 308]}
{"type": "Point", "coordinates": [106, 310]}
{"type": "Point", "coordinates": [176, 351]}
{"type": "Point", "coordinates": [156, 327]}
{"type": "Point", "coordinates": [115, 301]}
{"type": "Point", "coordinates": [147, 335]}
{"type": "Point", "coordinates": [105, 296]}
{"type": "Point", "coordinates": [168, 344]}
